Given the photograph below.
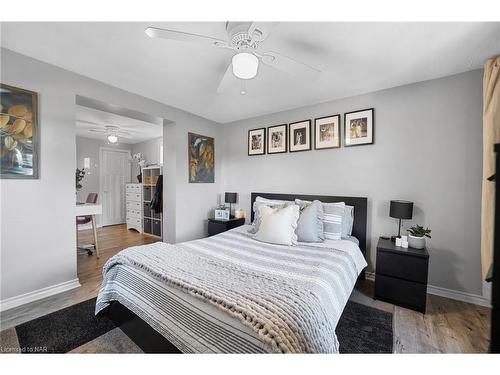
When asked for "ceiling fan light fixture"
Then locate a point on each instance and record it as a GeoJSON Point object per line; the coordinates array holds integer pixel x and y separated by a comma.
{"type": "Point", "coordinates": [245, 65]}
{"type": "Point", "coordinates": [112, 138]}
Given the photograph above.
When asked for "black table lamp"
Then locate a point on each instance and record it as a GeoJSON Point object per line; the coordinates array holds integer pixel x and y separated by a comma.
{"type": "Point", "coordinates": [230, 198]}
{"type": "Point", "coordinates": [400, 210]}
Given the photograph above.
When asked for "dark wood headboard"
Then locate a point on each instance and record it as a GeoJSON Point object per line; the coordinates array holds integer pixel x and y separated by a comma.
{"type": "Point", "coordinates": [360, 210]}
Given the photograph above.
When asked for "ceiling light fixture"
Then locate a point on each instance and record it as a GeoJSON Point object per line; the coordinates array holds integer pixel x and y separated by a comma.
{"type": "Point", "coordinates": [112, 138]}
{"type": "Point", "coordinates": [245, 65]}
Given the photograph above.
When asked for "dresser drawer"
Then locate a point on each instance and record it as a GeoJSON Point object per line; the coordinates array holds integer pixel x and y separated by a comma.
{"type": "Point", "coordinates": [133, 205]}
{"type": "Point", "coordinates": [133, 197]}
{"type": "Point", "coordinates": [133, 213]}
{"type": "Point", "coordinates": [133, 188]}
{"type": "Point", "coordinates": [401, 292]}
{"type": "Point", "coordinates": [402, 266]}
{"type": "Point", "coordinates": [134, 222]}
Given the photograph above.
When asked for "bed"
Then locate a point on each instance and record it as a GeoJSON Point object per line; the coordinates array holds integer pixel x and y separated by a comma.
{"type": "Point", "coordinates": [232, 294]}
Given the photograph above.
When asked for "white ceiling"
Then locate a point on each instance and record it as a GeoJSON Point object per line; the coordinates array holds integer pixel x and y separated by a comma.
{"type": "Point", "coordinates": [354, 58]}
{"type": "Point", "coordinates": [90, 118]}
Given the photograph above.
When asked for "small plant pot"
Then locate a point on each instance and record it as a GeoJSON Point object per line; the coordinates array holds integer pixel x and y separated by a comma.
{"type": "Point", "coordinates": [416, 242]}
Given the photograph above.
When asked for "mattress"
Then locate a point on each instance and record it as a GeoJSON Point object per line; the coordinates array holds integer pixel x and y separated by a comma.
{"type": "Point", "coordinates": [195, 324]}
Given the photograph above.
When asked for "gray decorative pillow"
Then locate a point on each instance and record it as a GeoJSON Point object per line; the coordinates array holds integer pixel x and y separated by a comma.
{"type": "Point", "coordinates": [347, 221]}
{"type": "Point", "coordinates": [310, 223]}
{"type": "Point", "coordinates": [332, 220]}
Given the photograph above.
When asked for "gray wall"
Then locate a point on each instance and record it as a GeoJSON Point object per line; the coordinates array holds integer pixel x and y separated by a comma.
{"type": "Point", "coordinates": [427, 149]}
{"type": "Point", "coordinates": [151, 151]}
{"type": "Point", "coordinates": [38, 216]}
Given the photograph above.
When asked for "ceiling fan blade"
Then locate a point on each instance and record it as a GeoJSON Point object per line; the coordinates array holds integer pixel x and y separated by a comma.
{"type": "Point", "coordinates": [103, 131]}
{"type": "Point", "coordinates": [260, 30]}
{"type": "Point", "coordinates": [124, 135]}
{"type": "Point", "coordinates": [287, 64]}
{"type": "Point", "coordinates": [154, 32]}
{"type": "Point", "coordinates": [226, 80]}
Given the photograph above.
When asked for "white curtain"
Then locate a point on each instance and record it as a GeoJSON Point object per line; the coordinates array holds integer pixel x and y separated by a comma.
{"type": "Point", "coordinates": [491, 135]}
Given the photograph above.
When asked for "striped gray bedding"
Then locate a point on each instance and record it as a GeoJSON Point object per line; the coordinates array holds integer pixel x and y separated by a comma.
{"type": "Point", "coordinates": [232, 294]}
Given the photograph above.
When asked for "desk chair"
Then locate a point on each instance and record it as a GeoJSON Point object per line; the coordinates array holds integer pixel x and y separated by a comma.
{"type": "Point", "coordinates": [80, 220]}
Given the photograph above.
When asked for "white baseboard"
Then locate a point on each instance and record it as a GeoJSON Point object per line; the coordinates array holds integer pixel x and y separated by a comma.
{"type": "Point", "coordinates": [10, 303]}
{"type": "Point", "coordinates": [450, 293]}
{"type": "Point", "coordinates": [475, 299]}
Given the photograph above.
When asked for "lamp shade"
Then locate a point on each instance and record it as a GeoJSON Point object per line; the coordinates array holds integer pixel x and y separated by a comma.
{"type": "Point", "coordinates": [401, 209]}
{"type": "Point", "coordinates": [245, 65]}
{"type": "Point", "coordinates": [230, 197]}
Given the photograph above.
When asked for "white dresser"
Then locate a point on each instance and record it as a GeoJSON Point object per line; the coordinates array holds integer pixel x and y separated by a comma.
{"type": "Point", "coordinates": [133, 199]}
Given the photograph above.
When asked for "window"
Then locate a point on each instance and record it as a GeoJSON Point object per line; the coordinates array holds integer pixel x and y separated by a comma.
{"type": "Point", "coordinates": [161, 153]}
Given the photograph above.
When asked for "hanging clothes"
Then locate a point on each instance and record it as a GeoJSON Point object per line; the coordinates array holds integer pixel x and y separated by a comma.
{"type": "Point", "coordinates": [157, 201]}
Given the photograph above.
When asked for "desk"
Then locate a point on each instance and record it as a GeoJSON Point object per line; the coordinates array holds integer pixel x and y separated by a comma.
{"type": "Point", "coordinates": [89, 209]}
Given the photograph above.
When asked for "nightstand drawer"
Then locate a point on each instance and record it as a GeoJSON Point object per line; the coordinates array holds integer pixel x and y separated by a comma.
{"type": "Point", "coordinates": [401, 292]}
{"type": "Point", "coordinates": [216, 228]}
{"type": "Point", "coordinates": [402, 266]}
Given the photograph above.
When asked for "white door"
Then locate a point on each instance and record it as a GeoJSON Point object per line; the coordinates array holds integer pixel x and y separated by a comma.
{"type": "Point", "coordinates": [115, 172]}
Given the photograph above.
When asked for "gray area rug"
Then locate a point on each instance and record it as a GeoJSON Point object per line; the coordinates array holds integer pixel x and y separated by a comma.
{"type": "Point", "coordinates": [361, 329]}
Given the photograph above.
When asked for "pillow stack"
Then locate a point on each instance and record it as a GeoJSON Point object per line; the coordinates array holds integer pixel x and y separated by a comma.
{"type": "Point", "coordinates": [288, 222]}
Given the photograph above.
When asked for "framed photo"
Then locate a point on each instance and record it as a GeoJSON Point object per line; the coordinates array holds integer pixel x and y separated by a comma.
{"type": "Point", "coordinates": [18, 133]}
{"type": "Point", "coordinates": [327, 132]}
{"type": "Point", "coordinates": [359, 127]}
{"type": "Point", "coordinates": [222, 214]}
{"type": "Point", "coordinates": [201, 158]}
{"type": "Point", "coordinates": [257, 141]}
{"type": "Point", "coordinates": [277, 139]}
{"type": "Point", "coordinates": [300, 136]}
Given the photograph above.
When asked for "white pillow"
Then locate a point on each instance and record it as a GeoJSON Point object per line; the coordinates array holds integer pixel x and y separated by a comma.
{"type": "Point", "coordinates": [271, 201]}
{"type": "Point", "coordinates": [278, 225]}
{"type": "Point", "coordinates": [259, 202]}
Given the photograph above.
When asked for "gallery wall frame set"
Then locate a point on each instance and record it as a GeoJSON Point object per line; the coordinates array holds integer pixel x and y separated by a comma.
{"type": "Point", "coordinates": [358, 130]}
{"type": "Point", "coordinates": [327, 132]}
{"type": "Point", "coordinates": [277, 142]}
{"type": "Point", "coordinates": [359, 127]}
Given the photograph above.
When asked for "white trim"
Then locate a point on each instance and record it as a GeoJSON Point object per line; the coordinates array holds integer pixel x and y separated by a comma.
{"type": "Point", "coordinates": [475, 299]}
{"type": "Point", "coordinates": [459, 296]}
{"type": "Point", "coordinates": [10, 303]}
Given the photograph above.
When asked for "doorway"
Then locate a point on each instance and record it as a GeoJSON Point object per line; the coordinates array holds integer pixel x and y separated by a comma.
{"type": "Point", "coordinates": [115, 172]}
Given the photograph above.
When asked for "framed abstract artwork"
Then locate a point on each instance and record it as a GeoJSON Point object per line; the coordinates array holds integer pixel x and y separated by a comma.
{"type": "Point", "coordinates": [327, 132]}
{"type": "Point", "coordinates": [300, 136]}
{"type": "Point", "coordinates": [276, 139]}
{"type": "Point", "coordinates": [257, 141]}
{"type": "Point", "coordinates": [19, 138]}
{"type": "Point", "coordinates": [201, 151]}
{"type": "Point", "coordinates": [359, 127]}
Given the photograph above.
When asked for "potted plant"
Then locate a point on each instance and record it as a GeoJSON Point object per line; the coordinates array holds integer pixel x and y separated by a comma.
{"type": "Point", "coordinates": [79, 175]}
{"type": "Point", "coordinates": [141, 162]}
{"type": "Point", "coordinates": [416, 237]}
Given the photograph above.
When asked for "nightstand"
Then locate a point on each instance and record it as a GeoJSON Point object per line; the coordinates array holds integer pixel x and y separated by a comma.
{"type": "Point", "coordinates": [401, 275]}
{"type": "Point", "coordinates": [219, 226]}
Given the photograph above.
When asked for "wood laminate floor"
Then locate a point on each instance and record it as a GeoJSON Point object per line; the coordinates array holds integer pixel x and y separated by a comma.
{"type": "Point", "coordinates": [449, 326]}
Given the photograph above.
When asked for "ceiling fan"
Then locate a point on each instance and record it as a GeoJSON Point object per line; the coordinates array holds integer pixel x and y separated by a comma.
{"type": "Point", "coordinates": [245, 39]}
{"type": "Point", "coordinates": [112, 132]}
